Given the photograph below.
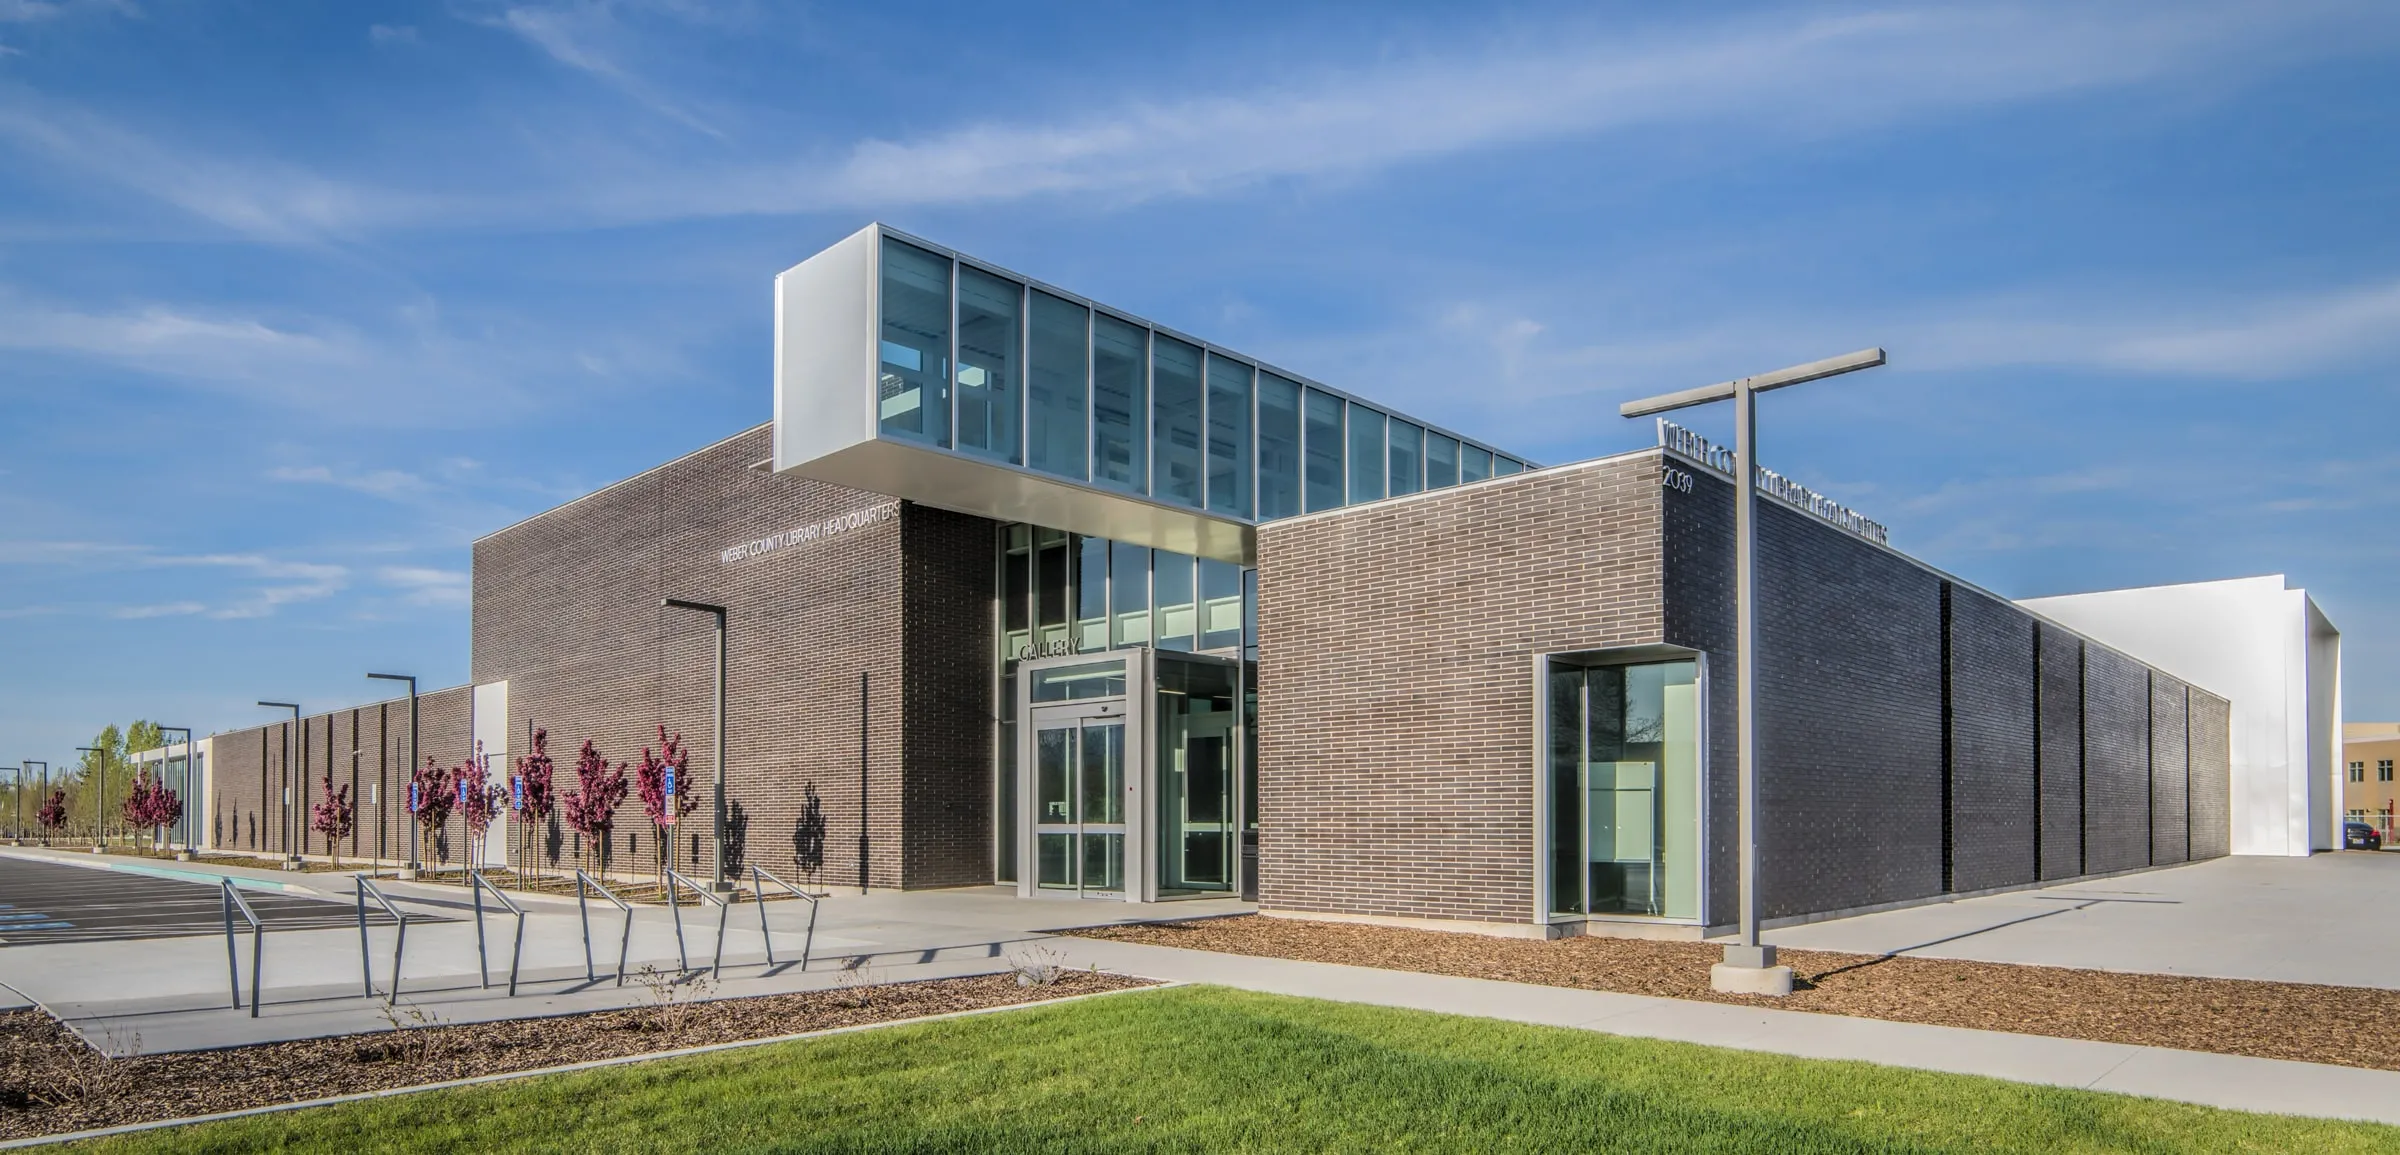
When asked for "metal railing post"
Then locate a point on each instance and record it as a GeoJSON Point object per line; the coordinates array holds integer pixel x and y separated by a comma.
{"type": "Point", "coordinates": [233, 960]}
{"type": "Point", "coordinates": [399, 918]}
{"type": "Point", "coordinates": [624, 940]}
{"type": "Point", "coordinates": [758, 891]}
{"type": "Point", "coordinates": [716, 966]}
{"type": "Point", "coordinates": [233, 901]}
{"type": "Point", "coordinates": [478, 884]}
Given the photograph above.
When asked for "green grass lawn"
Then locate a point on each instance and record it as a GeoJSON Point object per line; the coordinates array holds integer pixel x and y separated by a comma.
{"type": "Point", "coordinates": [1202, 1068]}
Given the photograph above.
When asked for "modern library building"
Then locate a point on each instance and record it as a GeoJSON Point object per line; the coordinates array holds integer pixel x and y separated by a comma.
{"type": "Point", "coordinates": [1023, 590]}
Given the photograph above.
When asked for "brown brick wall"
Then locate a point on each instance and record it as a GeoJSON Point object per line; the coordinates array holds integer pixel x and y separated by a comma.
{"type": "Point", "coordinates": [1396, 723]}
{"type": "Point", "coordinates": [567, 612]}
{"type": "Point", "coordinates": [247, 778]}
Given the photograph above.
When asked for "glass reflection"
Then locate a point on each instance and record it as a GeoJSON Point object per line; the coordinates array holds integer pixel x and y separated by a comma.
{"type": "Point", "coordinates": [1278, 447]}
{"type": "Point", "coordinates": [1058, 376]}
{"type": "Point", "coordinates": [1441, 461]}
{"type": "Point", "coordinates": [1175, 422]}
{"type": "Point", "coordinates": [912, 382]}
{"type": "Point", "coordinates": [1407, 458]}
{"type": "Point", "coordinates": [988, 364]}
{"type": "Point", "coordinates": [1229, 464]}
{"type": "Point", "coordinates": [1366, 454]}
{"type": "Point", "coordinates": [1120, 402]}
{"type": "Point", "coordinates": [1323, 414]}
{"type": "Point", "coordinates": [1171, 585]}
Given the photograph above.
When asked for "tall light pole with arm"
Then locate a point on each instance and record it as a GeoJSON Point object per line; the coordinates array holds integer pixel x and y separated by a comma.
{"type": "Point", "coordinates": [1749, 965]}
{"type": "Point", "coordinates": [291, 792]}
{"type": "Point", "coordinates": [22, 767]}
{"type": "Point", "coordinates": [718, 827]}
{"type": "Point", "coordinates": [413, 865]}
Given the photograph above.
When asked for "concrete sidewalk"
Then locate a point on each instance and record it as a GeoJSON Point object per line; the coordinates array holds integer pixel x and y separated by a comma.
{"type": "Point", "coordinates": [2231, 1081]}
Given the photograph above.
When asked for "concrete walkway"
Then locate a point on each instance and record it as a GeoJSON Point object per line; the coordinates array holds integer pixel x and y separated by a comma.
{"type": "Point", "coordinates": [171, 993]}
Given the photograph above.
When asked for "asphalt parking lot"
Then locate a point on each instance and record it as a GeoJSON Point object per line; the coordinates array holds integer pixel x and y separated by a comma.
{"type": "Point", "coordinates": [45, 903]}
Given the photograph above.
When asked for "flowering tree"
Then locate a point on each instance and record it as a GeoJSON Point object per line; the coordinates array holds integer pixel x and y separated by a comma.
{"type": "Point", "coordinates": [135, 810]}
{"type": "Point", "coordinates": [478, 802]}
{"type": "Point", "coordinates": [664, 810]}
{"type": "Point", "coordinates": [429, 788]}
{"type": "Point", "coordinates": [531, 797]}
{"type": "Point", "coordinates": [53, 812]}
{"type": "Point", "coordinates": [149, 805]}
{"type": "Point", "coordinates": [591, 808]}
{"type": "Point", "coordinates": [332, 816]}
{"type": "Point", "coordinates": [166, 809]}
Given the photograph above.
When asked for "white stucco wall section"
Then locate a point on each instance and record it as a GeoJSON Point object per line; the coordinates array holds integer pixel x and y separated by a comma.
{"type": "Point", "coordinates": [2270, 652]}
{"type": "Point", "coordinates": [491, 732]}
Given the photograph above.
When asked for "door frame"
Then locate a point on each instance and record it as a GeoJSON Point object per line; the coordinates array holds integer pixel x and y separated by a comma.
{"type": "Point", "coordinates": [1134, 708]}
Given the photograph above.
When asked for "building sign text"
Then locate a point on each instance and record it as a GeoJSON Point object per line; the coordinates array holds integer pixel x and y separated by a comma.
{"type": "Point", "coordinates": [1687, 444]}
{"type": "Point", "coordinates": [812, 532]}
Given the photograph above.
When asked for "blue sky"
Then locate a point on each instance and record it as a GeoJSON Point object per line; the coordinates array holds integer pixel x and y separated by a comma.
{"type": "Point", "coordinates": [297, 300]}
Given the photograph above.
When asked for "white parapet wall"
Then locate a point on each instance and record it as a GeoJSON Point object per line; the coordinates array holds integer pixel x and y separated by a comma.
{"type": "Point", "coordinates": [2268, 650]}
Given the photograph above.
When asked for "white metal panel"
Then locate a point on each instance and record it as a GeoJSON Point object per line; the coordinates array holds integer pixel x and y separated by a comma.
{"type": "Point", "coordinates": [825, 351]}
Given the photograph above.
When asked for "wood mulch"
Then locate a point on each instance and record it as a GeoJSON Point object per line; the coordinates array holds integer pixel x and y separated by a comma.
{"type": "Point", "coordinates": [51, 1082]}
{"type": "Point", "coordinates": [2350, 1026]}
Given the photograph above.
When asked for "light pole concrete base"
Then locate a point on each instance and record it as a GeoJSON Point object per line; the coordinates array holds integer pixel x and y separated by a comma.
{"type": "Point", "coordinates": [1741, 980]}
{"type": "Point", "coordinates": [183, 856]}
{"type": "Point", "coordinates": [408, 874]}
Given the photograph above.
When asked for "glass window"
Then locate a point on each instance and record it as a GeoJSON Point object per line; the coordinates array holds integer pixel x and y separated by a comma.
{"type": "Point", "coordinates": [1058, 375]}
{"type": "Point", "coordinates": [1171, 582]}
{"type": "Point", "coordinates": [1322, 413]}
{"type": "Point", "coordinates": [1197, 776]}
{"type": "Point", "coordinates": [1366, 454]}
{"type": "Point", "coordinates": [912, 390]}
{"type": "Point", "coordinates": [1129, 593]}
{"type": "Point", "coordinates": [1278, 447]}
{"type": "Point", "coordinates": [2358, 770]}
{"type": "Point", "coordinates": [1228, 436]}
{"type": "Point", "coordinates": [1091, 593]}
{"type": "Point", "coordinates": [989, 362]}
{"type": "Point", "coordinates": [1220, 604]}
{"type": "Point", "coordinates": [1624, 789]}
{"type": "Point", "coordinates": [1049, 587]}
{"type": "Point", "coordinates": [1441, 461]}
{"type": "Point", "coordinates": [1072, 683]}
{"type": "Point", "coordinates": [2383, 770]}
{"type": "Point", "coordinates": [1503, 466]}
{"type": "Point", "coordinates": [1016, 590]}
{"type": "Point", "coordinates": [1473, 464]}
{"type": "Point", "coordinates": [1175, 421]}
{"type": "Point", "coordinates": [1408, 455]}
{"type": "Point", "coordinates": [1120, 402]}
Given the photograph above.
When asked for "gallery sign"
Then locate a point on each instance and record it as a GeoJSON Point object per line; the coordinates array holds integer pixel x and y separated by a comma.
{"type": "Point", "coordinates": [813, 532]}
{"type": "Point", "coordinates": [1691, 446]}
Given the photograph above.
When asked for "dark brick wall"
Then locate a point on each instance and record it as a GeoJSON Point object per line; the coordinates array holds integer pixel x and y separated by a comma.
{"type": "Point", "coordinates": [1396, 696]}
{"type": "Point", "coordinates": [2116, 760]}
{"type": "Point", "coordinates": [2170, 773]}
{"type": "Point", "coordinates": [2061, 716]}
{"type": "Point", "coordinates": [1992, 806]}
{"type": "Point", "coordinates": [567, 611]}
{"type": "Point", "coordinates": [2211, 752]}
{"type": "Point", "coordinates": [367, 749]}
{"type": "Point", "coordinates": [1850, 712]}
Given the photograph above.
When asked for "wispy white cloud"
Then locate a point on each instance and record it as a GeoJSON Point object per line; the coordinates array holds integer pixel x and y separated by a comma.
{"type": "Point", "coordinates": [429, 587]}
{"type": "Point", "coordinates": [590, 38]}
{"type": "Point", "coordinates": [2273, 338]}
{"type": "Point", "coordinates": [28, 11]}
{"type": "Point", "coordinates": [392, 33]}
{"type": "Point", "coordinates": [283, 581]}
{"type": "Point", "coordinates": [377, 482]}
{"type": "Point", "coordinates": [166, 610]}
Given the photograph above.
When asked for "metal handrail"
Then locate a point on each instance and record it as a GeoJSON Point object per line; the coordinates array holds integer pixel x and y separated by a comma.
{"type": "Point", "coordinates": [233, 901]}
{"type": "Point", "coordinates": [477, 884]}
{"type": "Point", "coordinates": [366, 970]}
{"type": "Point", "coordinates": [758, 893]}
{"type": "Point", "coordinates": [583, 908]}
{"type": "Point", "coordinates": [724, 909]}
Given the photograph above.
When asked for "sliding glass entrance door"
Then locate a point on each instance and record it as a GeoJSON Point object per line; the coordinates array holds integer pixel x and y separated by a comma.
{"type": "Point", "coordinates": [1079, 800]}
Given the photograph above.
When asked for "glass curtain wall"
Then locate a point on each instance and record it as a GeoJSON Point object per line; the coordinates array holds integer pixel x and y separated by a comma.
{"type": "Point", "coordinates": [1624, 788]}
{"type": "Point", "coordinates": [1323, 416]}
{"type": "Point", "coordinates": [1366, 455]}
{"type": "Point", "coordinates": [1407, 458]}
{"type": "Point", "coordinates": [1058, 379]}
{"type": "Point", "coordinates": [912, 391]}
{"type": "Point", "coordinates": [1197, 724]}
{"type": "Point", "coordinates": [1175, 464]}
{"type": "Point", "coordinates": [1229, 464]}
{"type": "Point", "coordinates": [990, 325]}
{"type": "Point", "coordinates": [1120, 402]}
{"type": "Point", "coordinates": [1441, 461]}
{"type": "Point", "coordinates": [1278, 447]}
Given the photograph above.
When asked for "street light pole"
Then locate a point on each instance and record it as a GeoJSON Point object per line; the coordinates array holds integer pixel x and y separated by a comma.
{"type": "Point", "coordinates": [19, 832]}
{"type": "Point", "coordinates": [718, 832]}
{"type": "Point", "coordinates": [408, 784]}
{"type": "Point", "coordinates": [291, 792]}
{"type": "Point", "coordinates": [1749, 965]}
{"type": "Point", "coordinates": [99, 832]}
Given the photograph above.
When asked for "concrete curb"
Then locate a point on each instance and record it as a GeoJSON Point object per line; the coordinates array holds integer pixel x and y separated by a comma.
{"type": "Point", "coordinates": [593, 1065]}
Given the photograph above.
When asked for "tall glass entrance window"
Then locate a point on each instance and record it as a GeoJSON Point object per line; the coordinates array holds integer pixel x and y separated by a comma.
{"type": "Point", "coordinates": [1623, 787]}
{"type": "Point", "coordinates": [1198, 726]}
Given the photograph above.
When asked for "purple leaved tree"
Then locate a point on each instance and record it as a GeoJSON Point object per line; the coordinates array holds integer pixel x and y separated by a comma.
{"type": "Point", "coordinates": [531, 798]}
{"type": "Point", "coordinates": [333, 816]}
{"type": "Point", "coordinates": [591, 808]}
{"type": "Point", "coordinates": [429, 792]}
{"type": "Point", "coordinates": [665, 812]}
{"type": "Point", "coordinates": [478, 802]}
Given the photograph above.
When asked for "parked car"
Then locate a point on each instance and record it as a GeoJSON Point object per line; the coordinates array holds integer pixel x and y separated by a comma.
{"type": "Point", "coordinates": [2360, 836]}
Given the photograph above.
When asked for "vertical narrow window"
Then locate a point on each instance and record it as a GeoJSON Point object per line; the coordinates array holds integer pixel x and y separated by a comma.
{"type": "Point", "coordinates": [1220, 604]}
{"type": "Point", "coordinates": [1278, 447]}
{"type": "Point", "coordinates": [1171, 585]}
{"type": "Point", "coordinates": [1366, 454]}
{"type": "Point", "coordinates": [1441, 461]}
{"type": "Point", "coordinates": [1016, 590]}
{"type": "Point", "coordinates": [1228, 436]}
{"type": "Point", "coordinates": [1322, 414]}
{"type": "Point", "coordinates": [1058, 378]}
{"type": "Point", "coordinates": [1129, 593]}
{"type": "Point", "coordinates": [1120, 403]}
{"type": "Point", "coordinates": [1408, 458]}
{"type": "Point", "coordinates": [1091, 593]}
{"type": "Point", "coordinates": [1473, 464]}
{"type": "Point", "coordinates": [1503, 466]}
{"type": "Point", "coordinates": [912, 385]}
{"type": "Point", "coordinates": [1175, 421]}
{"type": "Point", "coordinates": [1050, 555]}
{"type": "Point", "coordinates": [990, 363]}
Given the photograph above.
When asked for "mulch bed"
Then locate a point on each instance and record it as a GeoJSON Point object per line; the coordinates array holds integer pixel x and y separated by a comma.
{"type": "Point", "coordinates": [51, 1082]}
{"type": "Point", "coordinates": [2301, 1021]}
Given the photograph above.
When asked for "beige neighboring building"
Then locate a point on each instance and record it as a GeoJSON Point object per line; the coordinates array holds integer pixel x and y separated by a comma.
{"type": "Point", "coordinates": [2369, 792]}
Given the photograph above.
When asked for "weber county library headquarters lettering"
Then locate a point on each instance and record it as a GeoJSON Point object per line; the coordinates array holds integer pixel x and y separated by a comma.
{"type": "Point", "coordinates": [1027, 591]}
